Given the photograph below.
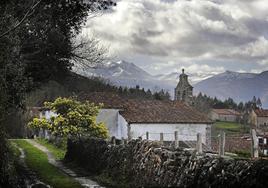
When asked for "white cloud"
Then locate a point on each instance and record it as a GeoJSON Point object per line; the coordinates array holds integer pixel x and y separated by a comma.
{"type": "Point", "coordinates": [199, 72]}
{"type": "Point", "coordinates": [185, 31]}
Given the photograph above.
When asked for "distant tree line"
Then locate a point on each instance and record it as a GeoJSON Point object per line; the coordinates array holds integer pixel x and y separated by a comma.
{"type": "Point", "coordinates": [205, 103]}
{"type": "Point", "coordinates": [141, 93]}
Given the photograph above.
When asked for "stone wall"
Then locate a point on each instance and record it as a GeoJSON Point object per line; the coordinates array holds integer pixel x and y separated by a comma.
{"type": "Point", "coordinates": [147, 164]}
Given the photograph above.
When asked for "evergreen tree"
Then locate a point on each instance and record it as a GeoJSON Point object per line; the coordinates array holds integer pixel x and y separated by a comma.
{"type": "Point", "coordinates": [254, 102]}
{"type": "Point", "coordinates": [240, 106]}
{"type": "Point", "coordinates": [259, 103]}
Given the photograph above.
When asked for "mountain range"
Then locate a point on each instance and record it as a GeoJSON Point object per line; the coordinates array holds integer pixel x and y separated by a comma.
{"type": "Point", "coordinates": [123, 73]}
{"type": "Point", "coordinates": [239, 86]}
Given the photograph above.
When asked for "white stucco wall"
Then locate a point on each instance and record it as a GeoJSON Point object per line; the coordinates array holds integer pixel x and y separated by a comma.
{"type": "Point", "coordinates": [115, 123]}
{"type": "Point", "coordinates": [118, 127]}
{"type": "Point", "coordinates": [186, 132]}
{"type": "Point", "coordinates": [122, 130]}
{"type": "Point", "coordinates": [47, 114]}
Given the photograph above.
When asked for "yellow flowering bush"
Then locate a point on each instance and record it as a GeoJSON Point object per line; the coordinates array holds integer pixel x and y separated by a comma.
{"type": "Point", "coordinates": [73, 118]}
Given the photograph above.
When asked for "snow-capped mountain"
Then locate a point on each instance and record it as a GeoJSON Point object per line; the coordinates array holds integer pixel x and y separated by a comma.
{"type": "Point", "coordinates": [239, 86]}
{"type": "Point", "coordinates": [123, 73]}
{"type": "Point", "coordinates": [121, 69]}
{"type": "Point", "coordinates": [174, 77]}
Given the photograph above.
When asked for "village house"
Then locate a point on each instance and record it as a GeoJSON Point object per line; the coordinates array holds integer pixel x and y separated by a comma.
{"type": "Point", "coordinates": [40, 112]}
{"type": "Point", "coordinates": [259, 118]}
{"type": "Point", "coordinates": [229, 115]}
{"type": "Point", "coordinates": [132, 118]}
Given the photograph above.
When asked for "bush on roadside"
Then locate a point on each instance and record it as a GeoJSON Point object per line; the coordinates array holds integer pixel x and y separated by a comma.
{"type": "Point", "coordinates": [73, 119]}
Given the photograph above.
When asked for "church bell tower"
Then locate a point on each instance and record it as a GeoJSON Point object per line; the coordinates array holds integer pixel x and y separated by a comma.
{"type": "Point", "coordinates": [184, 91]}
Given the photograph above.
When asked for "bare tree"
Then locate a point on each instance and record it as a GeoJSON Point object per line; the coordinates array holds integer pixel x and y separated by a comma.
{"type": "Point", "coordinates": [88, 52]}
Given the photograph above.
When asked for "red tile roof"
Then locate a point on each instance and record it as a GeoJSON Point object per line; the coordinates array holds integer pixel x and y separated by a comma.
{"type": "Point", "coordinates": [226, 112]}
{"type": "Point", "coordinates": [261, 112]}
{"type": "Point", "coordinates": [149, 111]}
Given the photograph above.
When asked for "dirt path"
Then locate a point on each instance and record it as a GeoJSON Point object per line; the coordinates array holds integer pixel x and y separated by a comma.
{"type": "Point", "coordinates": [29, 177]}
{"type": "Point", "coordinates": [84, 181]}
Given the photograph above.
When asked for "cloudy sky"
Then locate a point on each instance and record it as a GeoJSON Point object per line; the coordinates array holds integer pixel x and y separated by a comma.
{"type": "Point", "coordinates": [204, 36]}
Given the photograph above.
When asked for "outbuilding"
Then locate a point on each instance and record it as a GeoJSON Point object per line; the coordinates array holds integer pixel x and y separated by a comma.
{"type": "Point", "coordinates": [229, 115]}
{"type": "Point", "coordinates": [259, 118]}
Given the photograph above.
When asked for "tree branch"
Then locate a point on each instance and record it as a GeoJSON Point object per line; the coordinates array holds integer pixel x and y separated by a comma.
{"type": "Point", "coordinates": [22, 20]}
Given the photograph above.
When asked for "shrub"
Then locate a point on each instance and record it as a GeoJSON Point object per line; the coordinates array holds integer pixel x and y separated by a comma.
{"type": "Point", "coordinates": [73, 119]}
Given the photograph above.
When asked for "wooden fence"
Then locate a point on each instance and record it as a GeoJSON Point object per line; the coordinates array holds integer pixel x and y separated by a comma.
{"type": "Point", "coordinates": [221, 140]}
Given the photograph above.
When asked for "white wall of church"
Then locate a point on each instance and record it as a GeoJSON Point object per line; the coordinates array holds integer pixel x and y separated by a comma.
{"type": "Point", "coordinates": [186, 132]}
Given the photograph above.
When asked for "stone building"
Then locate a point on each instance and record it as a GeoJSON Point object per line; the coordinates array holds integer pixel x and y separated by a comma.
{"type": "Point", "coordinates": [259, 118]}
{"type": "Point", "coordinates": [184, 90]}
{"type": "Point", "coordinates": [225, 115]}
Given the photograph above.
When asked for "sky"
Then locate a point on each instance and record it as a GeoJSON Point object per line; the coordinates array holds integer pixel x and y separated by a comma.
{"type": "Point", "coordinates": [205, 37]}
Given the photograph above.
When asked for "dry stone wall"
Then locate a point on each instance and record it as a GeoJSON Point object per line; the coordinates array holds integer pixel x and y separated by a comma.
{"type": "Point", "coordinates": [142, 163]}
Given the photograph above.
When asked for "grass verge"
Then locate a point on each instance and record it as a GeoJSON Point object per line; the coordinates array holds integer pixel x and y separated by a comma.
{"type": "Point", "coordinates": [229, 128]}
{"type": "Point", "coordinates": [58, 153]}
{"type": "Point", "coordinates": [38, 162]}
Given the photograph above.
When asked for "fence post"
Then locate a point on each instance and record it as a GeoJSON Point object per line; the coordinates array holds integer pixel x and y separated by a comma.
{"type": "Point", "coordinates": [161, 138]}
{"type": "Point", "coordinates": [254, 144]}
{"type": "Point", "coordinates": [128, 132]}
{"type": "Point", "coordinates": [222, 143]}
{"type": "Point", "coordinates": [199, 143]}
{"type": "Point", "coordinates": [176, 139]}
{"type": "Point", "coordinates": [113, 140]}
{"type": "Point", "coordinates": [147, 135]}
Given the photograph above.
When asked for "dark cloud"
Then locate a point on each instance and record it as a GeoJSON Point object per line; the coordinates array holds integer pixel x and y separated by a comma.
{"type": "Point", "coordinates": [187, 31]}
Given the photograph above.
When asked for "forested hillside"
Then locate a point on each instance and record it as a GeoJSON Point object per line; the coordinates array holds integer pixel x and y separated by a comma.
{"type": "Point", "coordinates": [75, 84]}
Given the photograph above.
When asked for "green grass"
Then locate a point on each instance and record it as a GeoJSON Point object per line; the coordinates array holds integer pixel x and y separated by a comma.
{"type": "Point", "coordinates": [38, 162]}
{"type": "Point", "coordinates": [58, 153]}
{"type": "Point", "coordinates": [229, 128]}
{"type": "Point", "coordinates": [228, 125]}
